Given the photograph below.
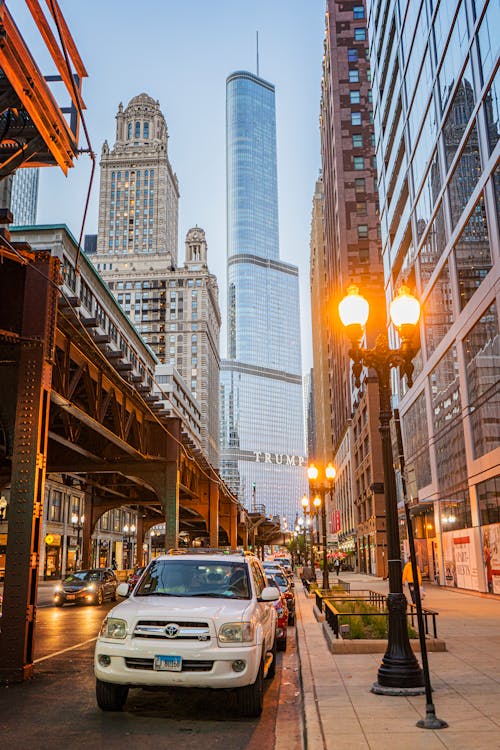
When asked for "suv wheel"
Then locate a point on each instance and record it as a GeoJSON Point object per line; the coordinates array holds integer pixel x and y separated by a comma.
{"type": "Point", "coordinates": [251, 697]}
{"type": "Point", "coordinates": [110, 697]}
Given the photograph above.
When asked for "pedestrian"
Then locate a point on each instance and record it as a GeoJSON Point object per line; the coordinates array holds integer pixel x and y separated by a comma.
{"type": "Point", "coordinates": [408, 578]}
{"type": "Point", "coordinates": [336, 566]}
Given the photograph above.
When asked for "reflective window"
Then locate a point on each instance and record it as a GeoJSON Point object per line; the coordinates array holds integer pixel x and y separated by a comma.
{"type": "Point", "coordinates": [446, 418]}
{"type": "Point", "coordinates": [438, 311]}
{"type": "Point", "coordinates": [492, 109]}
{"type": "Point", "coordinates": [416, 444]}
{"type": "Point", "coordinates": [353, 75]}
{"type": "Point", "coordinates": [137, 131]}
{"type": "Point", "coordinates": [359, 34]}
{"type": "Point", "coordinates": [357, 141]}
{"type": "Point", "coordinates": [432, 247]}
{"type": "Point", "coordinates": [482, 359]}
{"type": "Point", "coordinates": [472, 253]}
{"type": "Point", "coordinates": [488, 495]}
{"type": "Point", "coordinates": [458, 116]}
{"type": "Point", "coordinates": [352, 55]}
{"type": "Point", "coordinates": [358, 162]}
{"type": "Point", "coordinates": [488, 38]}
{"type": "Point", "coordinates": [428, 196]}
{"type": "Point", "coordinates": [358, 11]}
{"type": "Point", "coordinates": [355, 97]}
{"type": "Point", "coordinates": [465, 176]}
{"type": "Point", "coordinates": [355, 118]}
{"type": "Point", "coordinates": [454, 56]}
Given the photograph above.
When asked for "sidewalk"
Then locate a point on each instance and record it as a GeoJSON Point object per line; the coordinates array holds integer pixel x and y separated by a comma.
{"type": "Point", "coordinates": [340, 712]}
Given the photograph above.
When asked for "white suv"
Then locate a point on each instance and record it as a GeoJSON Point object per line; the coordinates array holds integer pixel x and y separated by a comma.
{"type": "Point", "coordinates": [194, 619]}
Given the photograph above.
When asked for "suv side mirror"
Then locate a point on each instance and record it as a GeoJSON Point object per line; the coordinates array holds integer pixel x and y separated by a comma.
{"type": "Point", "coordinates": [269, 594]}
{"type": "Point", "coordinates": [122, 589]}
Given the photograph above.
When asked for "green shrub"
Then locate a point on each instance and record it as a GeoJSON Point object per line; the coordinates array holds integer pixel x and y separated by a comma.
{"type": "Point", "coordinates": [364, 623]}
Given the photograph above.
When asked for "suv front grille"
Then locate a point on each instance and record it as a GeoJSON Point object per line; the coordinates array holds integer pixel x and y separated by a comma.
{"type": "Point", "coordinates": [188, 665]}
{"type": "Point", "coordinates": [186, 630]}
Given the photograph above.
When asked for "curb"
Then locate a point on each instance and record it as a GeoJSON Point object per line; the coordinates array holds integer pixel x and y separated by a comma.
{"type": "Point", "coordinates": [312, 730]}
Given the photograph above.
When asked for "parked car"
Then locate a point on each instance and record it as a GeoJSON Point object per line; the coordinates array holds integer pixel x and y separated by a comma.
{"type": "Point", "coordinates": [273, 568]}
{"type": "Point", "coordinates": [134, 577]}
{"type": "Point", "coordinates": [286, 587]}
{"type": "Point", "coordinates": [86, 587]}
{"type": "Point", "coordinates": [197, 618]}
{"type": "Point", "coordinates": [281, 608]}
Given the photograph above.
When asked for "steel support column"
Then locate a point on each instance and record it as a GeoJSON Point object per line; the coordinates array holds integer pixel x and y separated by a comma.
{"type": "Point", "coordinates": [34, 375]}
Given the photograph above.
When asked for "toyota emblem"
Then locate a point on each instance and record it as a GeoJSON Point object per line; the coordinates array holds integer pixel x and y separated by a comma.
{"type": "Point", "coordinates": [171, 630]}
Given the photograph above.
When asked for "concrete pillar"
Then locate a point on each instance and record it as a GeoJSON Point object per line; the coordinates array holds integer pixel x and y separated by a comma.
{"type": "Point", "coordinates": [213, 514]}
{"type": "Point", "coordinates": [170, 503]}
{"type": "Point", "coordinates": [233, 525]}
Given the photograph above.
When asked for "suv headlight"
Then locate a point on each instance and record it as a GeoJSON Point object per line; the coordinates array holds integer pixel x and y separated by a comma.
{"type": "Point", "coordinates": [112, 627]}
{"type": "Point", "coordinates": [236, 632]}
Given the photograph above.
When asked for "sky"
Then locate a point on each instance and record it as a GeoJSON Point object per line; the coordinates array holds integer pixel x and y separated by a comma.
{"type": "Point", "coordinates": [181, 52]}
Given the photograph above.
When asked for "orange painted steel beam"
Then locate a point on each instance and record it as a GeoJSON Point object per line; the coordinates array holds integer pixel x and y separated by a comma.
{"type": "Point", "coordinates": [32, 90]}
{"type": "Point", "coordinates": [54, 49]}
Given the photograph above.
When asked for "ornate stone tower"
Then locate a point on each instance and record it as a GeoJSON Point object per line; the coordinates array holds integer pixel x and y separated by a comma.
{"type": "Point", "coordinates": [139, 192]}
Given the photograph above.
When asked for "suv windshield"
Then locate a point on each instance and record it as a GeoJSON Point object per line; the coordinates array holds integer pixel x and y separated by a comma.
{"type": "Point", "coordinates": [196, 578]}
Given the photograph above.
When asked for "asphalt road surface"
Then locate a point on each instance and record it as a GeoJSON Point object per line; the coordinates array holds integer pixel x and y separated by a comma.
{"type": "Point", "coordinates": [57, 709]}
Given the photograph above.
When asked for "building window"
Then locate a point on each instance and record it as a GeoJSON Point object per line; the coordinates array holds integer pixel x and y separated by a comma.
{"type": "Point", "coordinates": [359, 34]}
{"type": "Point", "coordinates": [357, 141]}
{"type": "Point", "coordinates": [358, 12]}
{"type": "Point", "coordinates": [353, 75]}
{"type": "Point", "coordinates": [129, 133]}
{"type": "Point", "coordinates": [352, 55]}
{"type": "Point", "coordinates": [359, 185]}
{"type": "Point", "coordinates": [355, 118]}
{"type": "Point", "coordinates": [146, 130]}
{"type": "Point", "coordinates": [359, 162]}
{"type": "Point", "coordinates": [137, 132]}
{"type": "Point", "coordinates": [355, 97]}
{"type": "Point", "coordinates": [55, 506]}
{"type": "Point", "coordinates": [363, 231]}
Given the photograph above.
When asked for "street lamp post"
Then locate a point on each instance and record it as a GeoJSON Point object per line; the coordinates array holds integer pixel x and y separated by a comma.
{"type": "Point", "coordinates": [129, 531]}
{"type": "Point", "coordinates": [310, 513]}
{"type": "Point", "coordinates": [319, 487]}
{"type": "Point", "coordinates": [399, 672]}
{"type": "Point", "coordinates": [77, 523]}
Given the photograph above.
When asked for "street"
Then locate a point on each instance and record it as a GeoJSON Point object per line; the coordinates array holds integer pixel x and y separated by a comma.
{"type": "Point", "coordinates": [58, 709]}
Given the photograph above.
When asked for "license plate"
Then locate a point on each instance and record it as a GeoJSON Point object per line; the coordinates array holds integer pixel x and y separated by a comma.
{"type": "Point", "coordinates": [168, 663]}
{"type": "Point", "coordinates": [70, 596]}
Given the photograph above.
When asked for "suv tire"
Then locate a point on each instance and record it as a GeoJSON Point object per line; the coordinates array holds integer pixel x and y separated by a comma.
{"type": "Point", "coordinates": [251, 697]}
{"type": "Point", "coordinates": [110, 697]}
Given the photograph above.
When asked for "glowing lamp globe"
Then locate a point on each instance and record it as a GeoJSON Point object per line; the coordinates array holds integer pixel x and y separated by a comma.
{"type": "Point", "coordinates": [353, 309]}
{"type": "Point", "coordinates": [331, 472]}
{"type": "Point", "coordinates": [404, 308]}
{"type": "Point", "coordinates": [317, 501]}
{"type": "Point", "coordinates": [305, 501]}
{"type": "Point", "coordinates": [312, 472]}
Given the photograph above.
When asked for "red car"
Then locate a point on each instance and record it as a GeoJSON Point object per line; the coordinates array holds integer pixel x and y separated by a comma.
{"type": "Point", "coordinates": [281, 608]}
{"type": "Point", "coordinates": [133, 579]}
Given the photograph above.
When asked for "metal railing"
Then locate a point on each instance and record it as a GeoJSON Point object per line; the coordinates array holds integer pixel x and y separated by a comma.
{"type": "Point", "coordinates": [325, 603]}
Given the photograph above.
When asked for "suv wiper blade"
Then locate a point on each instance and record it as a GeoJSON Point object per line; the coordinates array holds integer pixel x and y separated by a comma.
{"type": "Point", "coordinates": [156, 593]}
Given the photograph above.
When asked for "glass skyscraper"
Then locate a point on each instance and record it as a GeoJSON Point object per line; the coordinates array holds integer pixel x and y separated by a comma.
{"type": "Point", "coordinates": [262, 429]}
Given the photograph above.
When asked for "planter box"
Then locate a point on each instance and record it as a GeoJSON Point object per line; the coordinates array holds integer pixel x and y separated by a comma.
{"type": "Point", "coordinates": [371, 646]}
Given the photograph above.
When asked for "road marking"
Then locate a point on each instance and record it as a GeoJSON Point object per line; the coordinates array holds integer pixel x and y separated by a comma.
{"type": "Point", "coordinates": [70, 648]}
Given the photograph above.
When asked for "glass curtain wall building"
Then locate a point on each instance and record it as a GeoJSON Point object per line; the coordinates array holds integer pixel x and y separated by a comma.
{"type": "Point", "coordinates": [436, 86]}
{"type": "Point", "coordinates": [262, 429]}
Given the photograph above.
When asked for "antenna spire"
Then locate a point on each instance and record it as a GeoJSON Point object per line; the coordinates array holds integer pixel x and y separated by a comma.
{"type": "Point", "coordinates": [257, 33]}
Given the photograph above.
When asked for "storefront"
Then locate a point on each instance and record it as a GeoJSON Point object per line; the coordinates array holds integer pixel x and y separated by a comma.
{"type": "Point", "coordinates": [53, 556]}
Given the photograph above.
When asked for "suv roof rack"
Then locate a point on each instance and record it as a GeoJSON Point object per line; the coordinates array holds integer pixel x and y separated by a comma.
{"type": "Point", "coordinates": [208, 551]}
